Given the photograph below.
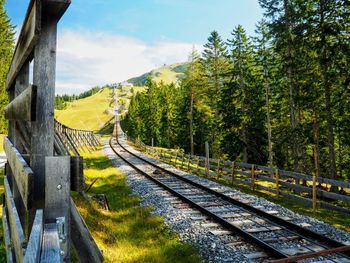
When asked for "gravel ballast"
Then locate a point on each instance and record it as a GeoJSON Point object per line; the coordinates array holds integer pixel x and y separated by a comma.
{"type": "Point", "coordinates": [196, 229]}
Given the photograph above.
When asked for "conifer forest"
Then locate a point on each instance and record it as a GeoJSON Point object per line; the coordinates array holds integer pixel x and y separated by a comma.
{"type": "Point", "coordinates": [280, 97]}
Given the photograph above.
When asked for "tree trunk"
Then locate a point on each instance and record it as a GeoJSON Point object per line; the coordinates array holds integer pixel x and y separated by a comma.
{"type": "Point", "coordinates": [292, 91]}
{"type": "Point", "coordinates": [191, 124]}
{"type": "Point", "coordinates": [327, 89]}
{"type": "Point", "coordinates": [268, 116]}
{"type": "Point", "coordinates": [316, 132]}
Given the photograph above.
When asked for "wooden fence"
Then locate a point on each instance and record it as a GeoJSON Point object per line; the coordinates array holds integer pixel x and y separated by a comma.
{"type": "Point", "coordinates": [314, 191]}
{"type": "Point", "coordinates": [69, 141]}
{"type": "Point", "coordinates": [40, 219]}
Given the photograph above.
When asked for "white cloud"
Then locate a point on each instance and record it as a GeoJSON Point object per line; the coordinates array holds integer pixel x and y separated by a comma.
{"type": "Point", "coordinates": [87, 59]}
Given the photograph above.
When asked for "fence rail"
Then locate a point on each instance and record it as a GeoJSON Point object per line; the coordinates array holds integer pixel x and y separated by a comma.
{"type": "Point", "coordinates": [313, 191]}
{"type": "Point", "coordinates": [69, 141]}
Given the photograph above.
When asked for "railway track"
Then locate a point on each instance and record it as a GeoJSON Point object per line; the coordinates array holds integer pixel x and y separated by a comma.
{"type": "Point", "coordinates": [280, 239]}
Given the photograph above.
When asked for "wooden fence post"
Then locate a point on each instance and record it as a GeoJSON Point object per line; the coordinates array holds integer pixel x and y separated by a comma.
{"type": "Point", "coordinates": [314, 194]}
{"type": "Point", "coordinates": [57, 201]}
{"type": "Point", "coordinates": [277, 179]}
{"type": "Point", "coordinates": [152, 142]}
{"type": "Point", "coordinates": [188, 164]}
{"type": "Point", "coordinates": [207, 164]}
{"type": "Point", "coordinates": [198, 160]}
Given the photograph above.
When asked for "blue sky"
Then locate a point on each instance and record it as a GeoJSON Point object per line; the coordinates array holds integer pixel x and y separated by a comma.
{"type": "Point", "coordinates": [141, 34]}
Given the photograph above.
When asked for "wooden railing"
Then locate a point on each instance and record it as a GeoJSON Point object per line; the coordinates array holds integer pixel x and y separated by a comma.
{"type": "Point", "coordinates": [69, 141]}
{"type": "Point", "coordinates": [311, 190]}
{"type": "Point", "coordinates": [40, 219]}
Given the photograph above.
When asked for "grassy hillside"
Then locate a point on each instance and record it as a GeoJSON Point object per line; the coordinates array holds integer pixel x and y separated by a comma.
{"type": "Point", "coordinates": [168, 74]}
{"type": "Point", "coordinates": [96, 111]}
{"type": "Point", "coordinates": [90, 113]}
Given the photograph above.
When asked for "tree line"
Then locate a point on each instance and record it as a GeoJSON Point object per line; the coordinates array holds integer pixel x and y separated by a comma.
{"type": "Point", "coordinates": [6, 51]}
{"type": "Point", "coordinates": [280, 97]}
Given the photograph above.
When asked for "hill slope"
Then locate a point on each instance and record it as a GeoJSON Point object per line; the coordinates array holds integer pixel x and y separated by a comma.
{"type": "Point", "coordinates": [90, 113]}
{"type": "Point", "coordinates": [167, 74]}
{"type": "Point", "coordinates": [96, 111]}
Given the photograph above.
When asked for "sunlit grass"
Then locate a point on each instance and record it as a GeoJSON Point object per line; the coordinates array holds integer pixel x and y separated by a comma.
{"type": "Point", "coordinates": [2, 142]}
{"type": "Point", "coordinates": [90, 113]}
{"type": "Point", "coordinates": [127, 233]}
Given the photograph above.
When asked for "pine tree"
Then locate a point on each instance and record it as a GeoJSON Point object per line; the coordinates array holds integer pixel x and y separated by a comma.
{"type": "Point", "coordinates": [216, 68]}
{"type": "Point", "coordinates": [6, 51]}
{"type": "Point", "coordinates": [267, 70]}
{"type": "Point", "coordinates": [245, 95]}
{"type": "Point", "coordinates": [194, 94]}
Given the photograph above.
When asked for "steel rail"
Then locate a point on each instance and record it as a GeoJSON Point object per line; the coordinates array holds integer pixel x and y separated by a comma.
{"type": "Point", "coordinates": [300, 231]}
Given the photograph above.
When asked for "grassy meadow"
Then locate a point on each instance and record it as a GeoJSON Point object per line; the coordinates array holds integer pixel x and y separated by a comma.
{"type": "Point", "coordinates": [90, 113]}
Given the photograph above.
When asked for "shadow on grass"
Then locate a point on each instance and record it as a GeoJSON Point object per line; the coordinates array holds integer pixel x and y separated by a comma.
{"type": "Point", "coordinates": [107, 129]}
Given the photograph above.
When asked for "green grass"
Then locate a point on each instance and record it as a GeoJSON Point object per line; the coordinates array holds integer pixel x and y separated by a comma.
{"type": "Point", "coordinates": [166, 74]}
{"type": "Point", "coordinates": [96, 111]}
{"type": "Point", "coordinates": [2, 142]}
{"type": "Point", "coordinates": [90, 113]}
{"type": "Point", "coordinates": [127, 233]}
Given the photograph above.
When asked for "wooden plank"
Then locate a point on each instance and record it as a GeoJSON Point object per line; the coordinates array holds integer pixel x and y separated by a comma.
{"type": "Point", "coordinates": [296, 187]}
{"type": "Point", "coordinates": [34, 244]}
{"type": "Point", "coordinates": [27, 40]}
{"type": "Point", "coordinates": [5, 226]}
{"type": "Point", "coordinates": [83, 242]}
{"type": "Point", "coordinates": [22, 173]}
{"type": "Point", "coordinates": [323, 180]}
{"type": "Point", "coordinates": [57, 200]}
{"type": "Point", "coordinates": [334, 196]}
{"type": "Point", "coordinates": [286, 174]}
{"type": "Point", "coordinates": [265, 178]}
{"type": "Point", "coordinates": [50, 250]}
{"type": "Point", "coordinates": [17, 234]}
{"type": "Point", "coordinates": [42, 139]}
{"type": "Point", "coordinates": [23, 107]}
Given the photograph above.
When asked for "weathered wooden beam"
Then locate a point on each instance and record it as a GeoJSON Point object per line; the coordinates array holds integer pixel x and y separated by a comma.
{"type": "Point", "coordinates": [55, 8]}
{"type": "Point", "coordinates": [17, 234]}
{"type": "Point", "coordinates": [27, 40]}
{"type": "Point", "coordinates": [5, 226]}
{"type": "Point", "coordinates": [22, 173]}
{"type": "Point", "coordinates": [42, 139]}
{"type": "Point", "coordinates": [23, 107]}
{"type": "Point", "coordinates": [83, 242]}
{"type": "Point", "coordinates": [57, 200]}
{"type": "Point", "coordinates": [34, 244]}
{"type": "Point", "coordinates": [50, 249]}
